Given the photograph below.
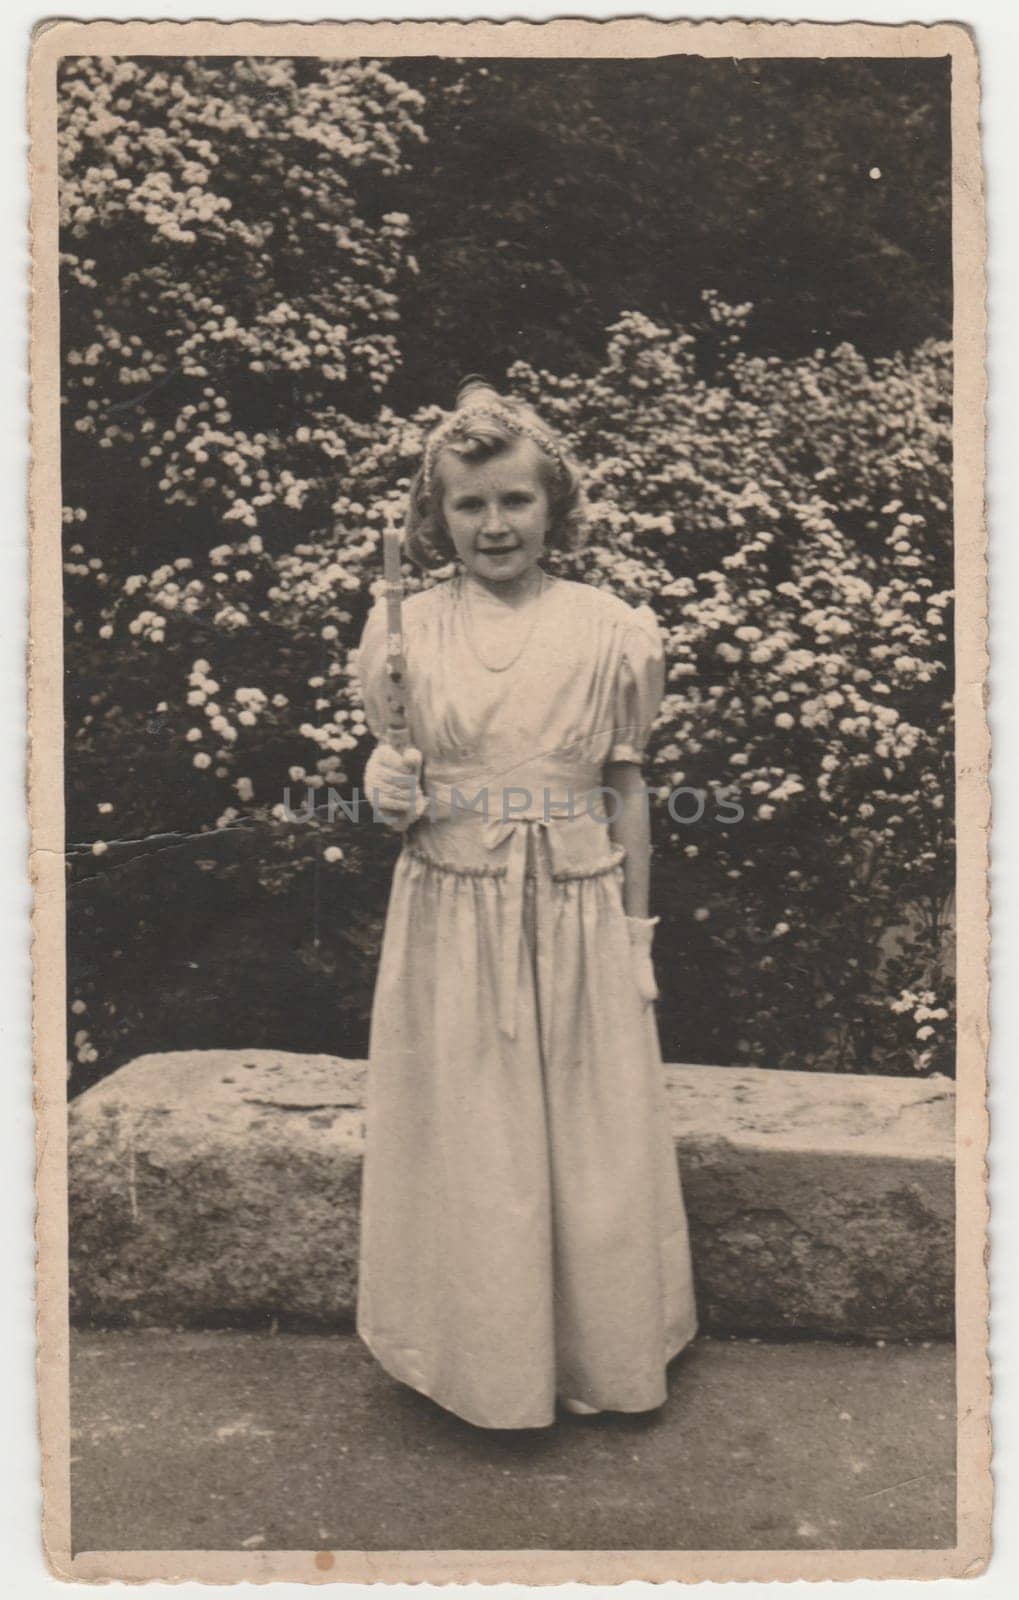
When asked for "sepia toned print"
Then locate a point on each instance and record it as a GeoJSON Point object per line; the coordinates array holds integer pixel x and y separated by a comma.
{"type": "Point", "coordinates": [509, 801]}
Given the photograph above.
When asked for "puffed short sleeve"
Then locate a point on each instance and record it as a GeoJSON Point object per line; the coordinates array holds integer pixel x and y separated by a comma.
{"type": "Point", "coordinates": [370, 670]}
{"type": "Point", "coordinates": [640, 684]}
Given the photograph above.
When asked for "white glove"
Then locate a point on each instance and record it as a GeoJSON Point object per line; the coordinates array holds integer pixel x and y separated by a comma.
{"type": "Point", "coordinates": [392, 782]}
{"type": "Point", "coordinates": [642, 931]}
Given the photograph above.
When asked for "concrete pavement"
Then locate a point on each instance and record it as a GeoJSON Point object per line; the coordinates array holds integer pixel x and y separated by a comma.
{"type": "Point", "coordinates": [244, 1440]}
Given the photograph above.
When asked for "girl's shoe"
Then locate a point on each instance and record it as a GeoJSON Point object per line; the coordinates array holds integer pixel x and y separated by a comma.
{"type": "Point", "coordinates": [580, 1408]}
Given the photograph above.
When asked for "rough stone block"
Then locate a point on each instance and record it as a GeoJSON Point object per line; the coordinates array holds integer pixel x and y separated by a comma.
{"type": "Point", "coordinates": [219, 1187]}
{"type": "Point", "coordinates": [819, 1203]}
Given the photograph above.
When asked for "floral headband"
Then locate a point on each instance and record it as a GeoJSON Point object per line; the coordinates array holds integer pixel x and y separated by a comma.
{"type": "Point", "coordinates": [476, 401]}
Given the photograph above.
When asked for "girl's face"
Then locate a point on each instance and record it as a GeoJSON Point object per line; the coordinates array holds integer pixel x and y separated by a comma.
{"type": "Point", "coordinates": [496, 511]}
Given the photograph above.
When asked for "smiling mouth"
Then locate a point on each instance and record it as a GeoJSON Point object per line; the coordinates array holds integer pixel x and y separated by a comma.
{"type": "Point", "coordinates": [499, 549]}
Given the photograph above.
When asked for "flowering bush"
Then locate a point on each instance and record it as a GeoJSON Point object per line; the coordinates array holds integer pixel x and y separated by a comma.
{"type": "Point", "coordinates": [231, 275]}
{"type": "Point", "coordinates": [231, 288]}
{"type": "Point", "coordinates": [790, 525]}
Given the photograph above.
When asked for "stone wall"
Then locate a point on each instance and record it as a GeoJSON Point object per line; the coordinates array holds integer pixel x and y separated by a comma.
{"type": "Point", "coordinates": [221, 1187]}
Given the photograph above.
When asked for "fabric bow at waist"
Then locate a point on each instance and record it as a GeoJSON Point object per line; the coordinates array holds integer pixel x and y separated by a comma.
{"type": "Point", "coordinates": [524, 833]}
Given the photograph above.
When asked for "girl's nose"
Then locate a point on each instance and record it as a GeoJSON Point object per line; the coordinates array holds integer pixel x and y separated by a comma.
{"type": "Point", "coordinates": [492, 520]}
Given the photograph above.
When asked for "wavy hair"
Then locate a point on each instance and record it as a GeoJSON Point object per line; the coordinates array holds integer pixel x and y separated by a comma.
{"type": "Point", "coordinates": [477, 436]}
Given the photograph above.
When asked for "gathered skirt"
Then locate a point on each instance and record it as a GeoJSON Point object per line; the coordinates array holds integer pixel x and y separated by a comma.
{"type": "Point", "coordinates": [522, 1226]}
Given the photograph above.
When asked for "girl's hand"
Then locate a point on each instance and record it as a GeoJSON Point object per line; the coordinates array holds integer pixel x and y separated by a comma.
{"type": "Point", "coordinates": [642, 931]}
{"type": "Point", "coordinates": [392, 781]}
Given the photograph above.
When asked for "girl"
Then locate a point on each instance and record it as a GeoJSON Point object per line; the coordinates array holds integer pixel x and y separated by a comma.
{"type": "Point", "coordinates": [523, 1233]}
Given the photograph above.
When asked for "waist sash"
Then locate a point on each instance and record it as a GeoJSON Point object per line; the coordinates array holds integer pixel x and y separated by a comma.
{"type": "Point", "coordinates": [549, 828]}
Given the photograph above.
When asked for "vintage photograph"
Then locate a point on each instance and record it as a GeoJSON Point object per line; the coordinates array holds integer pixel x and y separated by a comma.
{"type": "Point", "coordinates": [508, 791]}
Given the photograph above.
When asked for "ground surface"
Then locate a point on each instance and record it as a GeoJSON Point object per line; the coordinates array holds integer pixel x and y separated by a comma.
{"type": "Point", "coordinates": [226, 1440]}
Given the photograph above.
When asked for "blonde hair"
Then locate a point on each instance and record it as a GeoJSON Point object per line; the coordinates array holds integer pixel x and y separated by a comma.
{"type": "Point", "coordinates": [484, 424]}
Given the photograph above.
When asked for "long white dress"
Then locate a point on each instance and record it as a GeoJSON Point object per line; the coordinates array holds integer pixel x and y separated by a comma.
{"type": "Point", "coordinates": [523, 1232]}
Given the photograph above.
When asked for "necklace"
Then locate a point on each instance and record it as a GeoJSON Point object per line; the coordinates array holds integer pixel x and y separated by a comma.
{"type": "Point", "coordinates": [503, 666]}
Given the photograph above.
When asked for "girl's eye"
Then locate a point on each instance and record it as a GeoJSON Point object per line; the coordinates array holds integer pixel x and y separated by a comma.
{"type": "Point", "coordinates": [518, 499]}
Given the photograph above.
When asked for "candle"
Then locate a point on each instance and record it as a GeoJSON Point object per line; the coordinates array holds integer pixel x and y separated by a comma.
{"type": "Point", "coordinates": [397, 733]}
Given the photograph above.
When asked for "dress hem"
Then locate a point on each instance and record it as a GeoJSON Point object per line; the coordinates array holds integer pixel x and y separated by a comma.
{"type": "Point", "coordinates": [396, 1370]}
